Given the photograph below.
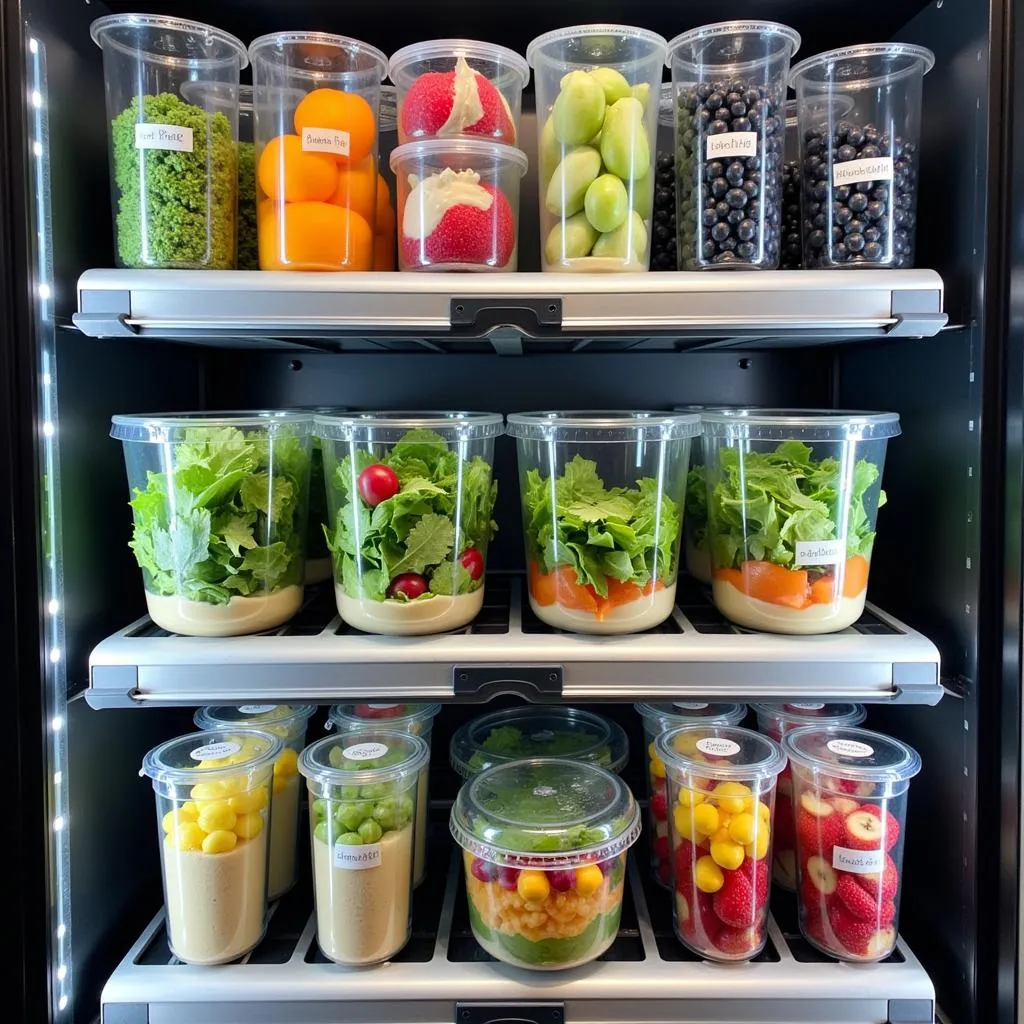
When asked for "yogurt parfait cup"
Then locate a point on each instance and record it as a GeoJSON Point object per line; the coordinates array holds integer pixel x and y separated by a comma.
{"type": "Point", "coordinates": [544, 845]}
{"type": "Point", "coordinates": [793, 496]}
{"type": "Point", "coordinates": [850, 789]}
{"type": "Point", "coordinates": [602, 496]}
{"type": "Point", "coordinates": [417, 719]}
{"type": "Point", "coordinates": [213, 793]}
{"type": "Point", "coordinates": [659, 718]}
{"type": "Point", "coordinates": [220, 504]}
{"type": "Point", "coordinates": [288, 723]}
{"type": "Point", "coordinates": [721, 791]}
{"type": "Point", "coordinates": [363, 788]}
{"type": "Point", "coordinates": [410, 497]}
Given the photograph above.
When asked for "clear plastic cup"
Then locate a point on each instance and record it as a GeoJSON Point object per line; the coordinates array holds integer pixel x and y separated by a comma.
{"type": "Point", "coordinates": [287, 723]}
{"type": "Point", "coordinates": [458, 204]}
{"type": "Point", "coordinates": [219, 502]}
{"type": "Point", "coordinates": [363, 789]}
{"type": "Point", "coordinates": [721, 789]}
{"type": "Point", "coordinates": [173, 164]}
{"type": "Point", "coordinates": [417, 719]}
{"type": "Point", "coordinates": [318, 556]}
{"type": "Point", "coordinates": [409, 557]}
{"type": "Point", "coordinates": [385, 229]}
{"type": "Point", "coordinates": [850, 789]}
{"type": "Point", "coordinates": [450, 87]}
{"type": "Point", "coordinates": [860, 167]}
{"type": "Point", "coordinates": [544, 846]}
{"type": "Point", "coordinates": [213, 812]}
{"type": "Point", "coordinates": [602, 496]}
{"type": "Point", "coordinates": [659, 718]}
{"type": "Point", "coordinates": [597, 115]}
{"type": "Point", "coordinates": [792, 256]}
{"type": "Point", "coordinates": [536, 731]}
{"type": "Point", "coordinates": [793, 496]}
{"type": "Point", "coordinates": [776, 720]}
{"type": "Point", "coordinates": [316, 159]}
{"type": "Point", "coordinates": [730, 83]}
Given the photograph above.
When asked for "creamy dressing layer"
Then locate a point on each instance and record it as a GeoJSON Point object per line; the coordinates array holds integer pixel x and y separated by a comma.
{"type": "Point", "coordinates": [431, 198]}
{"type": "Point", "coordinates": [284, 823]}
{"type": "Point", "coordinates": [466, 106]}
{"type": "Point", "coordinates": [409, 618]}
{"type": "Point", "coordinates": [240, 615]}
{"type": "Point", "coordinates": [773, 618]}
{"type": "Point", "coordinates": [634, 617]}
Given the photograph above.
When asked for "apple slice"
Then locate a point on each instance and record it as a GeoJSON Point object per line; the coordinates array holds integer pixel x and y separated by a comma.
{"type": "Point", "coordinates": [813, 804]}
{"type": "Point", "coordinates": [864, 831]}
{"type": "Point", "coordinates": [845, 805]}
{"type": "Point", "coordinates": [822, 875]}
{"type": "Point", "coordinates": [881, 943]}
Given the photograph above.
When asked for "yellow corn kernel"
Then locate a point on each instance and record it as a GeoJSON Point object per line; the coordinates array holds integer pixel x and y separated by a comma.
{"type": "Point", "coordinates": [208, 791]}
{"type": "Point", "coordinates": [221, 841]}
{"type": "Point", "coordinates": [533, 886]}
{"type": "Point", "coordinates": [764, 812]}
{"type": "Point", "coordinates": [743, 829]}
{"type": "Point", "coordinates": [217, 817]}
{"type": "Point", "coordinates": [731, 796]}
{"type": "Point", "coordinates": [187, 836]}
{"type": "Point", "coordinates": [708, 875]}
{"type": "Point", "coordinates": [705, 819]}
{"type": "Point", "coordinates": [690, 797]}
{"type": "Point", "coordinates": [727, 854]}
{"type": "Point", "coordinates": [287, 764]}
{"type": "Point", "coordinates": [246, 803]}
{"type": "Point", "coordinates": [685, 829]}
{"type": "Point", "coordinates": [759, 848]}
{"type": "Point", "coordinates": [657, 766]}
{"type": "Point", "coordinates": [588, 879]}
{"type": "Point", "coordinates": [249, 826]}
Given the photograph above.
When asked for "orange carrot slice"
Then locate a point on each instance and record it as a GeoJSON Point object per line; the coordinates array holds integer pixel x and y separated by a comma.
{"type": "Point", "coordinates": [824, 591]}
{"type": "Point", "coordinates": [542, 588]}
{"type": "Point", "coordinates": [855, 577]}
{"type": "Point", "coordinates": [771, 583]}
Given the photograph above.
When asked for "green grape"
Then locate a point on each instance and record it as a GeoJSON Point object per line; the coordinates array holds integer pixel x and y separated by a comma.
{"type": "Point", "coordinates": [375, 791]}
{"type": "Point", "coordinates": [320, 832]}
{"type": "Point", "coordinates": [643, 203]}
{"type": "Point", "coordinates": [550, 151]}
{"type": "Point", "coordinates": [624, 146]}
{"type": "Point", "coordinates": [578, 111]}
{"type": "Point", "coordinates": [386, 815]}
{"type": "Point", "coordinates": [319, 808]}
{"type": "Point", "coordinates": [606, 202]}
{"type": "Point", "coordinates": [370, 832]}
{"type": "Point", "coordinates": [630, 235]}
{"type": "Point", "coordinates": [572, 178]}
{"type": "Point", "coordinates": [351, 816]}
{"type": "Point", "coordinates": [350, 839]}
{"type": "Point", "coordinates": [642, 92]}
{"type": "Point", "coordinates": [611, 81]}
{"type": "Point", "coordinates": [570, 239]}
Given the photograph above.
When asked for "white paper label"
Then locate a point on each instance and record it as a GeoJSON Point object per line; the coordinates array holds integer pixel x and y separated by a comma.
{"type": "Point", "coordinates": [860, 862]}
{"type": "Point", "coordinates": [717, 747]}
{"type": "Point", "coordinates": [850, 748]}
{"type": "Point", "coordinates": [163, 136]}
{"type": "Point", "coordinates": [365, 751]}
{"type": "Point", "coordinates": [325, 140]}
{"type": "Point", "coordinates": [545, 791]}
{"type": "Point", "coordinates": [807, 707]}
{"type": "Point", "coordinates": [257, 709]}
{"type": "Point", "coordinates": [214, 751]}
{"type": "Point", "coordinates": [732, 144]}
{"type": "Point", "coordinates": [821, 552]}
{"type": "Point", "coordinates": [687, 706]}
{"type": "Point", "coordinates": [877, 168]}
{"type": "Point", "coordinates": [383, 707]}
{"type": "Point", "coordinates": [357, 858]}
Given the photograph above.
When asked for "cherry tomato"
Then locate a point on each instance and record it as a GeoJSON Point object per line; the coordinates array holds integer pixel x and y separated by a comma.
{"type": "Point", "coordinates": [377, 483]}
{"type": "Point", "coordinates": [473, 561]}
{"type": "Point", "coordinates": [411, 584]}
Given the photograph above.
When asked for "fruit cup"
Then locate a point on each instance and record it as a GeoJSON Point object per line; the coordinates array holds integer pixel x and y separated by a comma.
{"type": "Point", "coordinates": [659, 718]}
{"type": "Point", "coordinates": [458, 204]}
{"type": "Point", "coordinates": [316, 160]}
{"type": "Point", "coordinates": [544, 845]}
{"type": "Point", "coordinates": [288, 723]}
{"type": "Point", "coordinates": [363, 789]}
{"type": "Point", "coordinates": [213, 808]}
{"type": "Point", "coordinates": [776, 720]}
{"type": "Point", "coordinates": [598, 91]}
{"type": "Point", "coordinates": [416, 719]}
{"type": "Point", "coordinates": [721, 791]}
{"type": "Point", "coordinates": [850, 791]}
{"type": "Point", "coordinates": [792, 501]}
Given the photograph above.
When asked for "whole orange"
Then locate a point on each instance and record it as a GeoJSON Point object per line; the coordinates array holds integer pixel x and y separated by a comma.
{"type": "Point", "coordinates": [344, 112]}
{"type": "Point", "coordinates": [313, 236]}
{"type": "Point", "coordinates": [286, 172]}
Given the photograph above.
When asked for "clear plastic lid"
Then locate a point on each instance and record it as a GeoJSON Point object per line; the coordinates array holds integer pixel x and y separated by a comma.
{"type": "Point", "coordinates": [672, 714]}
{"type": "Point", "coordinates": [588, 38]}
{"type": "Point", "coordinates": [715, 44]}
{"type": "Point", "coordinates": [363, 758]}
{"type": "Point", "coordinates": [545, 812]}
{"type": "Point", "coordinates": [535, 731]}
{"type": "Point", "coordinates": [792, 716]}
{"type": "Point", "coordinates": [284, 720]}
{"type": "Point", "coordinates": [172, 427]}
{"type": "Point", "coordinates": [722, 752]}
{"type": "Point", "coordinates": [324, 56]}
{"type": "Point", "coordinates": [802, 425]}
{"type": "Point", "coordinates": [468, 49]}
{"type": "Point", "coordinates": [866, 66]}
{"type": "Point", "coordinates": [210, 756]}
{"type": "Point", "coordinates": [385, 427]}
{"type": "Point", "coordinates": [477, 151]}
{"type": "Point", "coordinates": [168, 40]}
{"type": "Point", "coordinates": [214, 95]}
{"type": "Point", "coordinates": [849, 753]}
{"type": "Point", "coordinates": [414, 718]}
{"type": "Point", "coordinates": [602, 427]}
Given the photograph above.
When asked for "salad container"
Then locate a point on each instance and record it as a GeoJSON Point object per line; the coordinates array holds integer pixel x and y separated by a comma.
{"type": "Point", "coordinates": [363, 789]}
{"type": "Point", "coordinates": [417, 719]}
{"type": "Point", "coordinates": [213, 808]}
{"type": "Point", "coordinates": [602, 496]}
{"type": "Point", "coordinates": [537, 731]}
{"type": "Point", "coordinates": [410, 498]}
{"type": "Point", "coordinates": [288, 723]}
{"type": "Point", "coordinates": [220, 503]}
{"type": "Point", "coordinates": [659, 718]}
{"type": "Point", "coordinates": [721, 791]}
{"type": "Point", "coordinates": [850, 790]}
{"type": "Point", "coordinates": [544, 845]}
{"type": "Point", "coordinates": [793, 497]}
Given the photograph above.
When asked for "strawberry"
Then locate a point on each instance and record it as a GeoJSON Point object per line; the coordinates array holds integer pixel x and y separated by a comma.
{"type": "Point", "coordinates": [756, 873]}
{"type": "Point", "coordinates": [818, 835]}
{"type": "Point", "coordinates": [855, 899]}
{"type": "Point", "coordinates": [661, 849]}
{"type": "Point", "coordinates": [380, 710]}
{"type": "Point", "coordinates": [812, 924]}
{"type": "Point", "coordinates": [812, 899]}
{"type": "Point", "coordinates": [659, 806]}
{"type": "Point", "coordinates": [892, 824]}
{"type": "Point", "coordinates": [734, 902]}
{"type": "Point", "coordinates": [739, 941]}
{"type": "Point", "coordinates": [706, 917]}
{"type": "Point", "coordinates": [881, 886]}
{"type": "Point", "coordinates": [785, 831]}
{"type": "Point", "coordinates": [664, 872]}
{"type": "Point", "coordinates": [685, 857]}
{"type": "Point", "coordinates": [852, 933]}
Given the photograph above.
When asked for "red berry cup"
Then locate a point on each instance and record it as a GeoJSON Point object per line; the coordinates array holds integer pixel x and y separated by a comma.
{"type": "Point", "coordinates": [721, 794]}
{"type": "Point", "coordinates": [659, 718]}
{"type": "Point", "coordinates": [776, 720]}
{"type": "Point", "coordinates": [850, 797]}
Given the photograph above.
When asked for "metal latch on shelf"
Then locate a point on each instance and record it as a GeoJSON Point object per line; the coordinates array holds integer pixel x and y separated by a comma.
{"type": "Point", "coordinates": [527, 681]}
{"type": "Point", "coordinates": [482, 314]}
{"type": "Point", "coordinates": [509, 1013]}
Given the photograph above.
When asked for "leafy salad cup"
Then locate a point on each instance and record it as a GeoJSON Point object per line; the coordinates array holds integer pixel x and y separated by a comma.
{"type": "Point", "coordinates": [220, 503]}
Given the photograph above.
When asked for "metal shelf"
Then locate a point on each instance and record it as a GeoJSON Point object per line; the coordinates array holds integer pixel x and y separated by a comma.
{"type": "Point", "coordinates": [696, 653]}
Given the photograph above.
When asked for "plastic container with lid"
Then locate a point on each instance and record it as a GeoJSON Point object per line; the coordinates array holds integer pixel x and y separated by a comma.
{"type": "Point", "coordinates": [287, 722]}
{"type": "Point", "coordinates": [458, 204]}
{"type": "Point", "coordinates": [659, 718]}
{"type": "Point", "coordinates": [385, 229]}
{"type": "Point", "coordinates": [793, 496]}
{"type": "Point", "coordinates": [602, 496]}
{"type": "Point", "coordinates": [435, 526]}
{"type": "Point", "coordinates": [721, 791]}
{"type": "Point", "coordinates": [173, 164]}
{"type": "Point", "coordinates": [220, 504]}
{"type": "Point", "coordinates": [537, 731]}
{"type": "Point", "coordinates": [597, 115]}
{"type": "Point", "coordinates": [850, 789]}
{"type": "Point", "coordinates": [544, 845]}
{"type": "Point", "coordinates": [417, 719]}
{"type": "Point", "coordinates": [316, 159]}
{"type": "Point", "coordinates": [776, 720]}
{"type": "Point", "coordinates": [663, 226]}
{"type": "Point", "coordinates": [860, 166]}
{"type": "Point", "coordinates": [363, 790]}
{"type": "Point", "coordinates": [213, 793]}
{"type": "Point", "coordinates": [730, 83]}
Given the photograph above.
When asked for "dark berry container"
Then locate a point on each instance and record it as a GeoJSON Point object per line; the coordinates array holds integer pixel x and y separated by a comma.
{"type": "Point", "coordinates": [730, 86]}
{"type": "Point", "coordinates": [860, 168]}
{"type": "Point", "coordinates": [663, 236]}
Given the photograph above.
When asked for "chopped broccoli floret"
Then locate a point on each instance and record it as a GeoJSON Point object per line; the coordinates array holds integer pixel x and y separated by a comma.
{"type": "Point", "coordinates": [248, 240]}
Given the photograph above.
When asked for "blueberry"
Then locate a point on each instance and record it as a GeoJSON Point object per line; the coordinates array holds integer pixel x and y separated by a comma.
{"type": "Point", "coordinates": [746, 230]}
{"type": "Point", "coordinates": [858, 202]}
{"type": "Point", "coordinates": [719, 187]}
{"type": "Point", "coordinates": [734, 173]}
{"type": "Point", "coordinates": [720, 232]}
{"type": "Point", "coordinates": [737, 198]}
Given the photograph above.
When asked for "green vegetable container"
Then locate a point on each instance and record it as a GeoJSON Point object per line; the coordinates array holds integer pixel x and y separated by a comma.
{"type": "Point", "coordinates": [410, 498]}
{"type": "Point", "coordinates": [220, 504]}
{"type": "Point", "coordinates": [602, 496]}
{"type": "Point", "coordinates": [792, 501]}
{"type": "Point", "coordinates": [173, 158]}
